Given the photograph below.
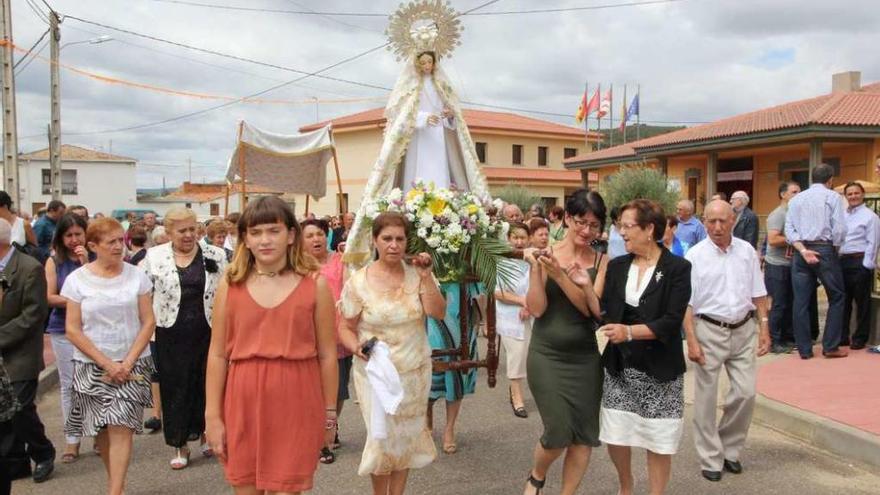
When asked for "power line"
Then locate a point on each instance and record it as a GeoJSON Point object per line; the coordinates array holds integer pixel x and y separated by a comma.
{"type": "Point", "coordinates": [34, 57]}
{"type": "Point", "coordinates": [25, 56]}
{"type": "Point", "coordinates": [36, 10]}
{"type": "Point", "coordinates": [225, 55]}
{"type": "Point", "coordinates": [224, 105]}
{"type": "Point", "coordinates": [272, 11]}
{"type": "Point", "coordinates": [577, 9]}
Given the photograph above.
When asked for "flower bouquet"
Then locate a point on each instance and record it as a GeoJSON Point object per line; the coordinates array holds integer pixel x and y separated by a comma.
{"type": "Point", "coordinates": [452, 226]}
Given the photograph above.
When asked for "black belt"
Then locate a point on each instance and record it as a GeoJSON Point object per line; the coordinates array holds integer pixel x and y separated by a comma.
{"type": "Point", "coordinates": [732, 326]}
{"type": "Point", "coordinates": [816, 243]}
{"type": "Point", "coordinates": [853, 255]}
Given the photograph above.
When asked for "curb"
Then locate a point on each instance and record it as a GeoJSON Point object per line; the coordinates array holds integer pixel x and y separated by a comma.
{"type": "Point", "coordinates": [47, 380]}
{"type": "Point", "coordinates": [831, 436]}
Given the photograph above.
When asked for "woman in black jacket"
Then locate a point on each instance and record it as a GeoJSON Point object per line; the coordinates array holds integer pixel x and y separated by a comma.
{"type": "Point", "coordinates": [644, 301]}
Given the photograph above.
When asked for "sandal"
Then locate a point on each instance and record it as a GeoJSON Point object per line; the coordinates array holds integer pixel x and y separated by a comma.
{"type": "Point", "coordinates": [537, 484]}
{"type": "Point", "coordinates": [450, 448]}
{"type": "Point", "coordinates": [206, 450]}
{"type": "Point", "coordinates": [336, 442]}
{"type": "Point", "coordinates": [69, 457]}
{"type": "Point", "coordinates": [519, 412]}
{"type": "Point", "coordinates": [180, 461]}
{"type": "Point", "coordinates": [327, 456]}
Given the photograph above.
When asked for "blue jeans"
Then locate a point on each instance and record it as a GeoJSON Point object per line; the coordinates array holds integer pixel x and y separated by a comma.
{"type": "Point", "coordinates": [803, 280]}
{"type": "Point", "coordinates": [777, 278]}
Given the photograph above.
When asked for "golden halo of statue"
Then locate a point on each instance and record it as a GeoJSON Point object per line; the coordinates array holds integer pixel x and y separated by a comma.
{"type": "Point", "coordinates": [423, 25]}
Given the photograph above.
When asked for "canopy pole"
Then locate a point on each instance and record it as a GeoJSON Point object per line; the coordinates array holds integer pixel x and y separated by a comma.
{"type": "Point", "coordinates": [307, 205]}
{"type": "Point", "coordinates": [226, 201]}
{"type": "Point", "coordinates": [342, 208]}
{"type": "Point", "coordinates": [241, 168]}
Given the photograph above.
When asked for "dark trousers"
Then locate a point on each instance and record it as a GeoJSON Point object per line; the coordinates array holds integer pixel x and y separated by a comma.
{"type": "Point", "coordinates": [803, 279]}
{"type": "Point", "coordinates": [30, 442]}
{"type": "Point", "coordinates": [777, 278]}
{"type": "Point", "coordinates": [857, 282]}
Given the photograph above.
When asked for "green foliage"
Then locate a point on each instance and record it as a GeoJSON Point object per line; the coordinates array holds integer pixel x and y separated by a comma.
{"type": "Point", "coordinates": [637, 182]}
{"type": "Point", "coordinates": [484, 254]}
{"type": "Point", "coordinates": [518, 195]}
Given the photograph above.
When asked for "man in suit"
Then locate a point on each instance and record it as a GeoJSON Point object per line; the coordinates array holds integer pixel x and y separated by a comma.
{"type": "Point", "coordinates": [23, 310]}
{"type": "Point", "coordinates": [746, 225]}
{"type": "Point", "coordinates": [727, 290]}
{"type": "Point", "coordinates": [340, 234]}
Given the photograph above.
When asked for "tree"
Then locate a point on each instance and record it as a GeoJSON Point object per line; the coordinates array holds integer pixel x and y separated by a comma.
{"type": "Point", "coordinates": [637, 182]}
{"type": "Point", "coordinates": [518, 195]}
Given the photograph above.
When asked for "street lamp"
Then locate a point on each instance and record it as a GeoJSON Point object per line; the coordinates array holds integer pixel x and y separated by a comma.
{"type": "Point", "coordinates": [93, 41]}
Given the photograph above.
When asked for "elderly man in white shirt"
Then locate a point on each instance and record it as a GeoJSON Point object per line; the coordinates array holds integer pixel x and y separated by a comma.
{"type": "Point", "coordinates": [727, 289]}
{"type": "Point", "coordinates": [857, 255]}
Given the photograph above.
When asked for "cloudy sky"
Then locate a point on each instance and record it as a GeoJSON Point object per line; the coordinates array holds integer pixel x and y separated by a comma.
{"type": "Point", "coordinates": [696, 60]}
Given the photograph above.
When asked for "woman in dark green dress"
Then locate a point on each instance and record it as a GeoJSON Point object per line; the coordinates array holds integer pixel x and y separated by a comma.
{"type": "Point", "coordinates": [563, 368]}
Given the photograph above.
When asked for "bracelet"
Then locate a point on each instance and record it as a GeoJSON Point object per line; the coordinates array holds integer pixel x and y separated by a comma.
{"type": "Point", "coordinates": [330, 424]}
{"type": "Point", "coordinates": [765, 319]}
{"type": "Point", "coordinates": [629, 333]}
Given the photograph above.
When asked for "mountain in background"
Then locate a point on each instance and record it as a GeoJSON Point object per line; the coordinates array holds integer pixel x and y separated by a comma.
{"type": "Point", "coordinates": [644, 131]}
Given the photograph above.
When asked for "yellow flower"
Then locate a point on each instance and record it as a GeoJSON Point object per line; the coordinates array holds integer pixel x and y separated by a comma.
{"type": "Point", "coordinates": [472, 209]}
{"type": "Point", "coordinates": [436, 206]}
{"type": "Point", "coordinates": [412, 194]}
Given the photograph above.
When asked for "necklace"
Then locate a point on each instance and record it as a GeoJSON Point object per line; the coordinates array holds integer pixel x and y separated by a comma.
{"type": "Point", "coordinates": [266, 274]}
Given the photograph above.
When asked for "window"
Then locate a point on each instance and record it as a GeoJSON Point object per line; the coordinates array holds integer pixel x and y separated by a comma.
{"type": "Point", "coordinates": [481, 152]}
{"type": "Point", "coordinates": [549, 202]}
{"type": "Point", "coordinates": [68, 181]}
{"type": "Point", "coordinates": [517, 154]}
{"type": "Point", "coordinates": [215, 209]}
{"type": "Point", "coordinates": [344, 201]}
{"type": "Point", "coordinates": [542, 156]}
{"type": "Point", "coordinates": [570, 153]}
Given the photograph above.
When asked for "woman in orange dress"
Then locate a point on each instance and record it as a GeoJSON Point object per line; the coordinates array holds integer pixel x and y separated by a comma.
{"type": "Point", "coordinates": [272, 373]}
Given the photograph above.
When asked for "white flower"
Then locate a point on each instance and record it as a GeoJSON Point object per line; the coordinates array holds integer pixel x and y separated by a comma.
{"type": "Point", "coordinates": [433, 241]}
{"type": "Point", "coordinates": [422, 232]}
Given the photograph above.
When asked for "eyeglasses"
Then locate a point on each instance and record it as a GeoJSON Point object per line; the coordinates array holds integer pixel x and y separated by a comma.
{"type": "Point", "coordinates": [628, 226]}
{"type": "Point", "coordinates": [580, 225]}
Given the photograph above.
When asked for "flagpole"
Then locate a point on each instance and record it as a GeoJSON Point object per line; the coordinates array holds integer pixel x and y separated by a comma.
{"type": "Point", "coordinates": [639, 113]}
{"type": "Point", "coordinates": [625, 114]}
{"type": "Point", "coordinates": [611, 114]}
{"type": "Point", "coordinates": [587, 116]}
{"type": "Point", "coordinates": [599, 118]}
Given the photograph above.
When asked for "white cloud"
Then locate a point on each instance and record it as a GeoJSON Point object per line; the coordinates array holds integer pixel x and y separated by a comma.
{"type": "Point", "coordinates": [696, 60]}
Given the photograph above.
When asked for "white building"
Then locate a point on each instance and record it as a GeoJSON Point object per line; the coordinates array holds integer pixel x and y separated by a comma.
{"type": "Point", "coordinates": [99, 181]}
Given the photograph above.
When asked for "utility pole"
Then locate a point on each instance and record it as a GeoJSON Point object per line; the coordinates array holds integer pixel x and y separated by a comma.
{"type": "Point", "coordinates": [189, 165]}
{"type": "Point", "coordinates": [55, 96]}
{"type": "Point", "coordinates": [10, 133]}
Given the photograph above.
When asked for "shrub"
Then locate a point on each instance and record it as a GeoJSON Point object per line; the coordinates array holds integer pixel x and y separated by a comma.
{"type": "Point", "coordinates": [637, 182]}
{"type": "Point", "coordinates": [518, 195]}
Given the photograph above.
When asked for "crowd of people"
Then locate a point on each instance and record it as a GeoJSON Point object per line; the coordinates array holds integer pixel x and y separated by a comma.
{"type": "Point", "coordinates": [243, 333]}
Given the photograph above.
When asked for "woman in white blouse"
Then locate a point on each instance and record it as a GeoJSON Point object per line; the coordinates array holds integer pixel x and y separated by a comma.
{"type": "Point", "coordinates": [109, 321]}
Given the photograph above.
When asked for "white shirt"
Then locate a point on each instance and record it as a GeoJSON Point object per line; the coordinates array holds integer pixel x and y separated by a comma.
{"type": "Point", "coordinates": [723, 283]}
{"type": "Point", "coordinates": [110, 317]}
{"type": "Point", "coordinates": [862, 234]}
{"type": "Point", "coordinates": [507, 320]}
{"type": "Point", "coordinates": [634, 290]}
{"type": "Point", "coordinates": [18, 234]}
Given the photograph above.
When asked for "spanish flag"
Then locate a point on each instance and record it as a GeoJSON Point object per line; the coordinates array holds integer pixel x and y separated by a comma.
{"type": "Point", "coordinates": [586, 108]}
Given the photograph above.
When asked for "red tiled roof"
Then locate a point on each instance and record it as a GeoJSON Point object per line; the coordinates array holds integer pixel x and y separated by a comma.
{"type": "Point", "coordinates": [70, 152]}
{"type": "Point", "coordinates": [476, 120]}
{"type": "Point", "coordinates": [534, 175]}
{"type": "Point", "coordinates": [201, 193]}
{"type": "Point", "coordinates": [858, 108]}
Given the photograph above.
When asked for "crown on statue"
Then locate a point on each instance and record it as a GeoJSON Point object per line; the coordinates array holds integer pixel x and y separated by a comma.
{"type": "Point", "coordinates": [423, 25]}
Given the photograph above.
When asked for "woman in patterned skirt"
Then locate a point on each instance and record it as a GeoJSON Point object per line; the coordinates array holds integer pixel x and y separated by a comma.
{"type": "Point", "coordinates": [645, 299]}
{"type": "Point", "coordinates": [109, 321]}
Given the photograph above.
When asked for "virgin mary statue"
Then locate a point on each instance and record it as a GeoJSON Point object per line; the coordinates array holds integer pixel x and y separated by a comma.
{"type": "Point", "coordinates": [426, 137]}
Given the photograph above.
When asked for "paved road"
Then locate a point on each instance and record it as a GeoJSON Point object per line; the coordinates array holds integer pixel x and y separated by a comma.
{"type": "Point", "coordinates": [494, 457]}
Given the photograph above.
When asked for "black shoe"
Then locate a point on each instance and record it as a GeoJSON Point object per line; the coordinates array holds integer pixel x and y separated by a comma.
{"type": "Point", "coordinates": [537, 484]}
{"type": "Point", "coordinates": [711, 475]}
{"type": "Point", "coordinates": [734, 467]}
{"type": "Point", "coordinates": [43, 470]}
{"type": "Point", "coordinates": [520, 412]}
{"type": "Point", "coordinates": [857, 346]}
{"type": "Point", "coordinates": [154, 424]}
{"type": "Point", "coordinates": [780, 349]}
{"type": "Point", "coordinates": [807, 356]}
